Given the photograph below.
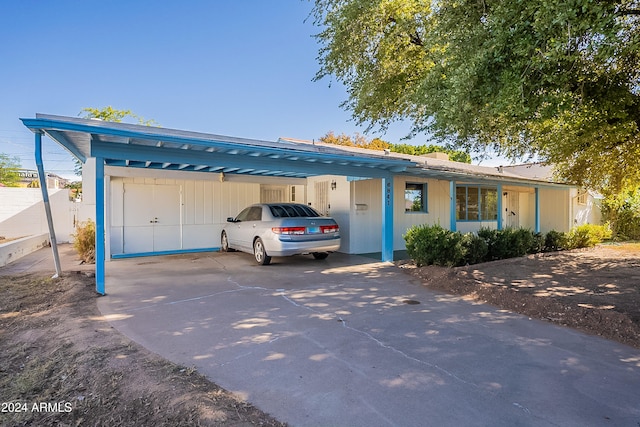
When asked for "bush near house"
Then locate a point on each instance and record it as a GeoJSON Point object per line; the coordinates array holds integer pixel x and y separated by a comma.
{"type": "Point", "coordinates": [587, 235]}
{"type": "Point", "coordinates": [432, 244]}
{"type": "Point", "coordinates": [555, 241]}
{"type": "Point", "coordinates": [85, 241]}
{"type": "Point", "coordinates": [622, 211]}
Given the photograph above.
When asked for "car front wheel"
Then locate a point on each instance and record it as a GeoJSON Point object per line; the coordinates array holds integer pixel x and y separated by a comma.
{"type": "Point", "coordinates": [260, 253]}
{"type": "Point", "coordinates": [224, 242]}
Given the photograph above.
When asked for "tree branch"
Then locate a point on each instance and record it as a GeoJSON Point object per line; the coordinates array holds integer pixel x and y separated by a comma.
{"type": "Point", "coordinates": [629, 12]}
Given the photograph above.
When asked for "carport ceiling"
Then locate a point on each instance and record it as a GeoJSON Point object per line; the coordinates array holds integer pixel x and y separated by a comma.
{"type": "Point", "coordinates": [127, 145]}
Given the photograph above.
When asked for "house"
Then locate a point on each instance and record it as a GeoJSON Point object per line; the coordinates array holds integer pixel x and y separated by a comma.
{"type": "Point", "coordinates": [159, 191]}
{"type": "Point", "coordinates": [585, 205]}
{"type": "Point", "coordinates": [30, 178]}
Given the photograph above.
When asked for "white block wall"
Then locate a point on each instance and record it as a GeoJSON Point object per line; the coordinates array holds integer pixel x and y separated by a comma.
{"type": "Point", "coordinates": [22, 213]}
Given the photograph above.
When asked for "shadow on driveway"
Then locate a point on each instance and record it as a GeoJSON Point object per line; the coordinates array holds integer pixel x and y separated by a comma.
{"type": "Point", "coordinates": [347, 341]}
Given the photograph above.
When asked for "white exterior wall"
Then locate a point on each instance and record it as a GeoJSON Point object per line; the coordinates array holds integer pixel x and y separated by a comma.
{"type": "Point", "coordinates": [357, 207]}
{"type": "Point", "coordinates": [206, 204]}
{"type": "Point", "coordinates": [22, 213]}
{"type": "Point", "coordinates": [365, 234]}
{"type": "Point", "coordinates": [438, 207]}
{"type": "Point", "coordinates": [554, 209]}
{"type": "Point", "coordinates": [589, 213]}
{"type": "Point", "coordinates": [474, 226]}
{"type": "Point", "coordinates": [339, 200]}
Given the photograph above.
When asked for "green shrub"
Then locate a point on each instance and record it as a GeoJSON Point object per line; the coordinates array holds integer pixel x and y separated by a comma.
{"type": "Point", "coordinates": [509, 242]}
{"type": "Point", "coordinates": [555, 241]}
{"type": "Point", "coordinates": [490, 236]}
{"type": "Point", "coordinates": [538, 243]}
{"type": "Point", "coordinates": [622, 211]}
{"type": "Point", "coordinates": [475, 249]}
{"type": "Point", "coordinates": [432, 244]}
{"type": "Point", "coordinates": [587, 236]}
{"type": "Point", "coordinates": [85, 241]}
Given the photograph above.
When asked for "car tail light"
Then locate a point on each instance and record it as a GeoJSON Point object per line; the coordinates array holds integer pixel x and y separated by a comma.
{"type": "Point", "coordinates": [289, 230]}
{"type": "Point", "coordinates": [329, 228]}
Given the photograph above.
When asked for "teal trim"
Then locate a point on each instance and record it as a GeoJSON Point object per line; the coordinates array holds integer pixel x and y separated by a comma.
{"type": "Point", "coordinates": [537, 208]}
{"type": "Point", "coordinates": [159, 253]}
{"type": "Point", "coordinates": [499, 207]}
{"type": "Point", "coordinates": [47, 206]}
{"type": "Point", "coordinates": [387, 218]}
{"type": "Point", "coordinates": [452, 206]}
{"type": "Point", "coordinates": [100, 227]}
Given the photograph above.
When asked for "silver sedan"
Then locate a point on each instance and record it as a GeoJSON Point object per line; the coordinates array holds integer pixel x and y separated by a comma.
{"type": "Point", "coordinates": [280, 229]}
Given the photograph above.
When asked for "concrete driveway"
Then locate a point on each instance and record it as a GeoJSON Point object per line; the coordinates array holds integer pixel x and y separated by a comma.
{"type": "Point", "coordinates": [352, 342]}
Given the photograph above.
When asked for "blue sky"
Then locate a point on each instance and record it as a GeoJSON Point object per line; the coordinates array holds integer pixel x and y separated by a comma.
{"type": "Point", "coordinates": [241, 68]}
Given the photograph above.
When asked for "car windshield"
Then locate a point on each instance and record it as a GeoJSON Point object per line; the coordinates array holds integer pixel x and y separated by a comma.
{"type": "Point", "coordinates": [292, 211]}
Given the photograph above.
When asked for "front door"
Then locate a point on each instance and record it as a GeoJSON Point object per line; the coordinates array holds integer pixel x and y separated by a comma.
{"type": "Point", "coordinates": [151, 218]}
{"type": "Point", "coordinates": [511, 208]}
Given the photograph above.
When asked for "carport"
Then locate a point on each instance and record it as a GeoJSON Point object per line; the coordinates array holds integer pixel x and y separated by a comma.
{"type": "Point", "coordinates": [138, 146]}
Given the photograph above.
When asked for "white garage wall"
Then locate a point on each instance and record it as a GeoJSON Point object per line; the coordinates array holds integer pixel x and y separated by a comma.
{"type": "Point", "coordinates": [206, 204]}
{"type": "Point", "coordinates": [338, 201]}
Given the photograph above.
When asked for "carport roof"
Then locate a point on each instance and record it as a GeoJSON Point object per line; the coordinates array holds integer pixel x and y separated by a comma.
{"type": "Point", "coordinates": [129, 145]}
{"type": "Point", "coordinates": [139, 146]}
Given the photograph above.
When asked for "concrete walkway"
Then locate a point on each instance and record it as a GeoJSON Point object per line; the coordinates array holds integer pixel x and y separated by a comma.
{"type": "Point", "coordinates": [351, 342]}
{"type": "Point", "coordinates": [341, 342]}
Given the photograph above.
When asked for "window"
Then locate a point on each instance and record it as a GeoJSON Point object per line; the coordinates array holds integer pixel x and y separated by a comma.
{"type": "Point", "coordinates": [488, 204]}
{"type": "Point", "coordinates": [581, 198]}
{"type": "Point", "coordinates": [255, 214]}
{"type": "Point", "coordinates": [293, 211]}
{"type": "Point", "coordinates": [476, 204]}
{"type": "Point", "coordinates": [415, 197]}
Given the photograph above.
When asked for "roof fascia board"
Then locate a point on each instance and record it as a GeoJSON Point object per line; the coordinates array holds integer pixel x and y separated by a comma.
{"type": "Point", "coordinates": [213, 159]}
{"type": "Point", "coordinates": [208, 140]}
{"type": "Point", "coordinates": [470, 178]}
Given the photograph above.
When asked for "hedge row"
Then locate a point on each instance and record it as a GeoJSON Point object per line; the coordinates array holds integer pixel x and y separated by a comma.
{"type": "Point", "coordinates": [432, 244]}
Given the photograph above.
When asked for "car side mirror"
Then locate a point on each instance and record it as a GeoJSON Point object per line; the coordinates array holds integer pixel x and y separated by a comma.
{"type": "Point", "coordinates": [231, 219]}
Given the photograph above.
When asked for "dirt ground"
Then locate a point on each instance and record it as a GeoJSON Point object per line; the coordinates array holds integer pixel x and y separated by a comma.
{"type": "Point", "coordinates": [63, 364]}
{"type": "Point", "coordinates": [594, 290]}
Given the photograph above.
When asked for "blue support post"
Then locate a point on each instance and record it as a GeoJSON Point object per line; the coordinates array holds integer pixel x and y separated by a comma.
{"type": "Point", "coordinates": [100, 227]}
{"type": "Point", "coordinates": [47, 206]}
{"type": "Point", "coordinates": [537, 209]}
{"type": "Point", "coordinates": [452, 206]}
{"type": "Point", "coordinates": [387, 219]}
{"type": "Point", "coordinates": [499, 206]}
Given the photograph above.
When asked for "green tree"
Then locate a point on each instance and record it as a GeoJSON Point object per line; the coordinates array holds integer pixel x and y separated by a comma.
{"type": "Point", "coordinates": [9, 170]}
{"type": "Point", "coordinates": [378, 144]}
{"type": "Point", "coordinates": [108, 114]}
{"type": "Point", "coordinates": [559, 79]}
